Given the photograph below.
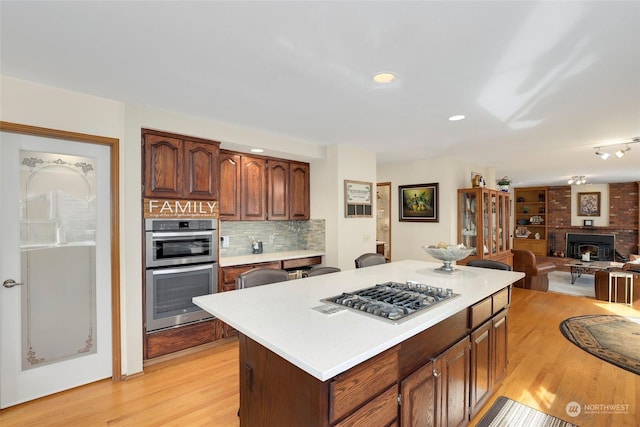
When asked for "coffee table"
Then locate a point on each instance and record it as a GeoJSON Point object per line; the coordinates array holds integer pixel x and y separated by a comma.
{"type": "Point", "coordinates": [578, 267]}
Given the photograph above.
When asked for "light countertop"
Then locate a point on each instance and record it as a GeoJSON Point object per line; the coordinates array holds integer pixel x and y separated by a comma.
{"type": "Point", "coordinates": [266, 257]}
{"type": "Point", "coordinates": [280, 316]}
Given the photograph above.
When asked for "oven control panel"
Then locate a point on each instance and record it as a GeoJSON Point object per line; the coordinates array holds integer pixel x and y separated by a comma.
{"type": "Point", "coordinates": [179, 224]}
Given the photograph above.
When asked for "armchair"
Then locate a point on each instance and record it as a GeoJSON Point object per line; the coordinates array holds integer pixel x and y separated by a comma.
{"type": "Point", "coordinates": [536, 273]}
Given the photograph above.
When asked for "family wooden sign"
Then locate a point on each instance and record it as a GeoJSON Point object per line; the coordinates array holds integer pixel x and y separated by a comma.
{"type": "Point", "coordinates": [174, 208]}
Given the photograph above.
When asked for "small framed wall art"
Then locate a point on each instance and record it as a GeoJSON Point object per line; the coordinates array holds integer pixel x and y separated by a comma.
{"type": "Point", "coordinates": [588, 222]}
{"type": "Point", "coordinates": [357, 199]}
{"type": "Point", "coordinates": [419, 202]}
{"type": "Point", "coordinates": [589, 204]}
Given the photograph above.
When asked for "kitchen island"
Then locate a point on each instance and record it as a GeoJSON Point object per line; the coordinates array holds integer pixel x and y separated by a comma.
{"type": "Point", "coordinates": [299, 366]}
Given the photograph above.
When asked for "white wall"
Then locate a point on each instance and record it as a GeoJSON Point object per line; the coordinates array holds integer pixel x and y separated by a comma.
{"type": "Point", "coordinates": [37, 105]}
{"type": "Point", "coordinates": [355, 236]}
{"type": "Point", "coordinates": [407, 238]}
{"type": "Point", "coordinates": [598, 221]}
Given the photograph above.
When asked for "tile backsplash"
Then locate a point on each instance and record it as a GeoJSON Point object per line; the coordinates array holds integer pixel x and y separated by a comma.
{"type": "Point", "coordinates": [276, 236]}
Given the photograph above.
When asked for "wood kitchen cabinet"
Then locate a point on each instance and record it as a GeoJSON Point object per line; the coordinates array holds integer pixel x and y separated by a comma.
{"type": "Point", "coordinates": [229, 201]}
{"type": "Point", "coordinates": [179, 167]}
{"type": "Point", "coordinates": [278, 191]}
{"type": "Point", "coordinates": [288, 195]}
{"type": "Point", "coordinates": [430, 379]}
{"type": "Point", "coordinates": [299, 197]}
{"type": "Point", "coordinates": [484, 224]}
{"type": "Point", "coordinates": [437, 394]}
{"type": "Point", "coordinates": [228, 275]}
{"type": "Point", "coordinates": [488, 349]}
{"type": "Point", "coordinates": [255, 188]}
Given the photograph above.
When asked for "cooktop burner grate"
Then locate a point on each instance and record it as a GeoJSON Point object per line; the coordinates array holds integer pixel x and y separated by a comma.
{"type": "Point", "coordinates": [394, 301]}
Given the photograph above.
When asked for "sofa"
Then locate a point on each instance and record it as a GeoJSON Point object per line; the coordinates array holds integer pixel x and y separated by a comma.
{"type": "Point", "coordinates": [602, 283]}
{"type": "Point", "coordinates": [536, 273]}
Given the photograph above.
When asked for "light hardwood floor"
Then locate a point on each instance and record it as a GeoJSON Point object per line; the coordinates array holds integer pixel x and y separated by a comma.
{"type": "Point", "coordinates": [545, 371]}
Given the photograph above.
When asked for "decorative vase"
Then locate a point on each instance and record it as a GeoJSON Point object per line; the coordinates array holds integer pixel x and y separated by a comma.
{"type": "Point", "coordinates": [504, 188]}
{"type": "Point", "coordinates": [525, 209]}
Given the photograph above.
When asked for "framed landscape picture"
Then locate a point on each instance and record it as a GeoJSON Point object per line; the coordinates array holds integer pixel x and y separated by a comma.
{"type": "Point", "coordinates": [419, 202]}
{"type": "Point", "coordinates": [589, 204]}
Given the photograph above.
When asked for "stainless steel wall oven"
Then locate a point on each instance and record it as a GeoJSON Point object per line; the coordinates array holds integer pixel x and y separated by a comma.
{"type": "Point", "coordinates": [181, 263]}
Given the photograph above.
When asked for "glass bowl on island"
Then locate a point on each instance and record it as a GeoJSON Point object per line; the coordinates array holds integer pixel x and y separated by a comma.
{"type": "Point", "coordinates": [448, 254]}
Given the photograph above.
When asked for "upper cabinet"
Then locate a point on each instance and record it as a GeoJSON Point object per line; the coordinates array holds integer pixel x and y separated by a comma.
{"type": "Point", "coordinates": [278, 191]}
{"type": "Point", "coordinates": [484, 224]}
{"type": "Point", "coordinates": [253, 193]}
{"type": "Point", "coordinates": [531, 207]}
{"type": "Point", "coordinates": [179, 167]}
{"type": "Point", "coordinates": [254, 188]}
{"type": "Point", "coordinates": [299, 197]}
{"type": "Point", "coordinates": [229, 203]}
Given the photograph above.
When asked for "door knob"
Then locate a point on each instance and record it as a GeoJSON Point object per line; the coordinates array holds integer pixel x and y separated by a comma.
{"type": "Point", "coordinates": [10, 283]}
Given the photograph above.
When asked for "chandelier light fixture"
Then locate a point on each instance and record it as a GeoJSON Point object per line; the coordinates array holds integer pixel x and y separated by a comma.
{"type": "Point", "coordinates": [577, 180]}
{"type": "Point", "coordinates": [620, 153]}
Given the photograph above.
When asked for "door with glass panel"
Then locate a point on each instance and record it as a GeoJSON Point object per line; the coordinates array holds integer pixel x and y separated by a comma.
{"type": "Point", "coordinates": [55, 265]}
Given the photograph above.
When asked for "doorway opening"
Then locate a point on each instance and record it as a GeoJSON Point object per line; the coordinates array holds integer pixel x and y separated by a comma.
{"type": "Point", "coordinates": [383, 219]}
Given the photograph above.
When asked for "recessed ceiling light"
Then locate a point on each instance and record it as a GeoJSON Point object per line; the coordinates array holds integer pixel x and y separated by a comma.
{"type": "Point", "coordinates": [257, 150]}
{"type": "Point", "coordinates": [457, 117]}
{"type": "Point", "coordinates": [384, 78]}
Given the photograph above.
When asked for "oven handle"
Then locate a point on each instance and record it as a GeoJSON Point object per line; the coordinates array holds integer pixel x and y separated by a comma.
{"type": "Point", "coordinates": [160, 271]}
{"type": "Point", "coordinates": [190, 233]}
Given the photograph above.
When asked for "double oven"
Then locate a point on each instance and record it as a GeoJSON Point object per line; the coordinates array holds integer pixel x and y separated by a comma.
{"type": "Point", "coordinates": [181, 262]}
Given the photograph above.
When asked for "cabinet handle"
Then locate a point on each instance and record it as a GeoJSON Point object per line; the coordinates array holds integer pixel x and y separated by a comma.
{"type": "Point", "coordinates": [436, 373]}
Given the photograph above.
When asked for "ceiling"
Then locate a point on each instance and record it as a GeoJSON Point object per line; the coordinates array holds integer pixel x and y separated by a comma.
{"type": "Point", "coordinates": [541, 83]}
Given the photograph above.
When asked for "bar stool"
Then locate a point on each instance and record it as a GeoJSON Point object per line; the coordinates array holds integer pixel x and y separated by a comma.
{"type": "Point", "coordinates": [628, 285]}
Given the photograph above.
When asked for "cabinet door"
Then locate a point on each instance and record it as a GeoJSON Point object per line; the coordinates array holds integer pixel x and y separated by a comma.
{"type": "Point", "coordinates": [299, 182]}
{"type": "Point", "coordinates": [201, 170]}
{"type": "Point", "coordinates": [500, 360]}
{"type": "Point", "coordinates": [455, 384]}
{"type": "Point", "coordinates": [253, 189]}
{"type": "Point", "coordinates": [481, 364]}
{"type": "Point", "coordinates": [229, 201]}
{"type": "Point", "coordinates": [278, 195]}
{"type": "Point", "coordinates": [420, 397]}
{"type": "Point", "coordinates": [163, 167]}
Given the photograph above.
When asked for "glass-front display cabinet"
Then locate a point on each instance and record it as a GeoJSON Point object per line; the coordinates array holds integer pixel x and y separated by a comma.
{"type": "Point", "coordinates": [484, 218]}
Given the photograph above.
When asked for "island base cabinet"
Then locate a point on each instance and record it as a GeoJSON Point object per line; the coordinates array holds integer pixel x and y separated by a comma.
{"type": "Point", "coordinates": [439, 377]}
{"type": "Point", "coordinates": [420, 393]}
{"type": "Point", "coordinates": [481, 378]}
{"type": "Point", "coordinates": [274, 392]}
{"type": "Point", "coordinates": [455, 364]}
{"type": "Point", "coordinates": [437, 393]}
{"type": "Point", "coordinates": [488, 359]}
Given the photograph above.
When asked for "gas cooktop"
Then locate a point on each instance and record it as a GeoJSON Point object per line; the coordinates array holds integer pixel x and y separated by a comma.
{"type": "Point", "coordinates": [394, 301]}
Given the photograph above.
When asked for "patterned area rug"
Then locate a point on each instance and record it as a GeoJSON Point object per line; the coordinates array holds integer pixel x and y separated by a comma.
{"type": "Point", "coordinates": [615, 339]}
{"type": "Point", "coordinates": [509, 413]}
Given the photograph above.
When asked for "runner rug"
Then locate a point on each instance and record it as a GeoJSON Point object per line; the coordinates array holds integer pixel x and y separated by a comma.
{"type": "Point", "coordinates": [508, 413]}
{"type": "Point", "coordinates": [615, 339]}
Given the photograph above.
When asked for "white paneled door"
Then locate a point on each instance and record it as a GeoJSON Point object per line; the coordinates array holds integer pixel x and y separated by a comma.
{"type": "Point", "coordinates": [55, 265]}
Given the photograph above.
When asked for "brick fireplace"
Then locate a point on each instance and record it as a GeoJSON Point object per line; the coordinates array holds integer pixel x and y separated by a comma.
{"type": "Point", "coordinates": [624, 207]}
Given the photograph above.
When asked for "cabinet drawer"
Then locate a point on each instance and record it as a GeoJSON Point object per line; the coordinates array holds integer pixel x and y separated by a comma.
{"type": "Point", "coordinates": [500, 300]}
{"type": "Point", "coordinates": [479, 313]}
{"type": "Point", "coordinates": [361, 383]}
{"type": "Point", "coordinates": [381, 411]}
{"type": "Point", "coordinates": [301, 262]}
{"type": "Point", "coordinates": [229, 274]}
